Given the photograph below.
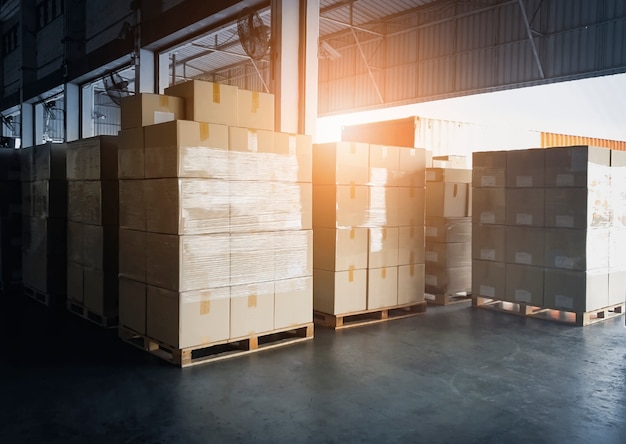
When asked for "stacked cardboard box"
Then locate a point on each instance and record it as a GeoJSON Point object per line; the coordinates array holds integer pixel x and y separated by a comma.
{"type": "Point", "coordinates": [617, 233]}
{"type": "Point", "coordinates": [215, 219]}
{"type": "Point", "coordinates": [368, 222]}
{"type": "Point", "coordinates": [542, 225]}
{"type": "Point", "coordinates": [92, 225]}
{"type": "Point", "coordinates": [448, 253]}
{"type": "Point", "coordinates": [44, 211]}
{"type": "Point", "coordinates": [10, 220]}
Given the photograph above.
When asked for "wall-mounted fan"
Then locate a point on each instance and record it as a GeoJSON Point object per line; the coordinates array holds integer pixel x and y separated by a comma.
{"type": "Point", "coordinates": [253, 34]}
{"type": "Point", "coordinates": [115, 87]}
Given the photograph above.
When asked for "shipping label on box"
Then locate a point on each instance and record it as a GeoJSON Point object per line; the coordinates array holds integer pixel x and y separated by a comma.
{"type": "Point", "coordinates": [207, 102]}
{"type": "Point", "coordinates": [489, 206]}
{"type": "Point", "coordinates": [488, 279]}
{"type": "Point", "coordinates": [410, 283]}
{"type": "Point", "coordinates": [340, 249]}
{"type": "Point", "coordinates": [576, 291]}
{"type": "Point", "coordinates": [525, 168]}
{"type": "Point", "coordinates": [489, 242]}
{"type": "Point", "coordinates": [524, 284]}
{"type": "Point", "coordinates": [339, 292]}
{"type": "Point", "coordinates": [255, 110]}
{"type": "Point", "coordinates": [444, 199]}
{"type": "Point", "coordinates": [293, 302]}
{"type": "Point", "coordinates": [525, 246]}
{"type": "Point", "coordinates": [341, 163]}
{"type": "Point", "coordinates": [146, 109]}
{"type": "Point", "coordinates": [251, 309]}
{"type": "Point", "coordinates": [382, 287]}
{"type": "Point", "coordinates": [489, 169]}
{"type": "Point", "coordinates": [525, 206]}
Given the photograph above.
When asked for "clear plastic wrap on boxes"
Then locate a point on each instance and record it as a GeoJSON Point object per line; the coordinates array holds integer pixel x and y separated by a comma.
{"type": "Point", "coordinates": [94, 158]}
{"type": "Point", "coordinates": [84, 201]}
{"type": "Point", "coordinates": [293, 302]}
{"type": "Point", "coordinates": [252, 257]}
{"type": "Point", "coordinates": [577, 249]}
{"type": "Point", "coordinates": [251, 309]}
{"type": "Point", "coordinates": [293, 254]}
{"type": "Point", "coordinates": [132, 206]}
{"type": "Point", "coordinates": [48, 198]}
{"type": "Point", "coordinates": [448, 255]}
{"type": "Point", "coordinates": [49, 162]}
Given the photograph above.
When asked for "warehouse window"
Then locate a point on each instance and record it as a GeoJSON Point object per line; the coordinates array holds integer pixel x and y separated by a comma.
{"type": "Point", "coordinates": [47, 11]}
{"type": "Point", "coordinates": [9, 40]}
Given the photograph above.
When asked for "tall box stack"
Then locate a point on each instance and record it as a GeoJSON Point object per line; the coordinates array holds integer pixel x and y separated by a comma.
{"type": "Point", "coordinates": [368, 223]}
{"type": "Point", "coordinates": [92, 228]}
{"type": "Point", "coordinates": [215, 220]}
{"type": "Point", "coordinates": [448, 254]}
{"type": "Point", "coordinates": [617, 234]}
{"type": "Point", "coordinates": [44, 222]}
{"type": "Point", "coordinates": [488, 224]}
{"type": "Point", "coordinates": [550, 245]}
{"type": "Point", "coordinates": [10, 220]}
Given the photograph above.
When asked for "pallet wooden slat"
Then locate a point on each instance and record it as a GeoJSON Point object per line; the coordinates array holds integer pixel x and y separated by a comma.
{"type": "Point", "coordinates": [562, 316]}
{"type": "Point", "coordinates": [92, 316]}
{"type": "Point", "coordinates": [217, 351]}
{"type": "Point", "coordinates": [447, 298]}
{"type": "Point", "coordinates": [40, 296]}
{"type": "Point", "coordinates": [366, 317]}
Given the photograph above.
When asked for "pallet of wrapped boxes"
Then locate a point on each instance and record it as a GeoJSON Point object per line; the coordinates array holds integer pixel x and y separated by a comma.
{"type": "Point", "coordinates": [10, 221]}
{"type": "Point", "coordinates": [215, 225]}
{"type": "Point", "coordinates": [92, 229]}
{"type": "Point", "coordinates": [44, 224]}
{"type": "Point", "coordinates": [368, 225]}
{"type": "Point", "coordinates": [546, 230]}
{"type": "Point", "coordinates": [448, 254]}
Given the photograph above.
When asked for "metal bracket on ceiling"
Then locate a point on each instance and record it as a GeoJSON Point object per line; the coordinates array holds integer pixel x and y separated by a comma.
{"type": "Point", "coordinates": [531, 39]}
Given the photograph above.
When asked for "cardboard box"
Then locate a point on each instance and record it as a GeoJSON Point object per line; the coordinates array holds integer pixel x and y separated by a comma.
{"type": "Point", "coordinates": [75, 292]}
{"type": "Point", "coordinates": [101, 292]}
{"type": "Point", "coordinates": [187, 206]}
{"type": "Point", "coordinates": [442, 280]}
{"type": "Point", "coordinates": [48, 199]}
{"type": "Point", "coordinates": [577, 166]}
{"type": "Point", "coordinates": [410, 206]}
{"type": "Point", "coordinates": [49, 162]}
{"type": "Point", "coordinates": [252, 258]}
{"type": "Point", "coordinates": [255, 109]}
{"type": "Point", "coordinates": [75, 243]}
{"type": "Point", "coordinates": [383, 247]}
{"type": "Point", "coordinates": [340, 206]}
{"type": "Point", "coordinates": [295, 157]}
{"type": "Point", "coordinates": [132, 304]}
{"type": "Point", "coordinates": [382, 287]}
{"type": "Point", "coordinates": [489, 279]}
{"type": "Point", "coordinates": [410, 283]}
{"type": "Point", "coordinates": [251, 309]}
{"type": "Point", "coordinates": [132, 254]}
{"type": "Point", "coordinates": [269, 206]}
{"type": "Point", "coordinates": [94, 158]}
{"type": "Point", "coordinates": [293, 302]}
{"type": "Point", "coordinates": [412, 167]}
{"type": "Point", "coordinates": [188, 319]}
{"type": "Point", "coordinates": [445, 199]}
{"type": "Point", "coordinates": [617, 252]}
{"type": "Point", "coordinates": [341, 163]}
{"type": "Point", "coordinates": [450, 161]}
{"type": "Point", "coordinates": [617, 286]}
{"type": "Point", "coordinates": [186, 149]}
{"type": "Point", "coordinates": [207, 102]}
{"type": "Point", "coordinates": [384, 165]}
{"type": "Point", "coordinates": [452, 175]}
{"type": "Point", "coordinates": [185, 263]}
{"type": "Point", "coordinates": [340, 249]}
{"type": "Point", "coordinates": [524, 284]}
{"type": "Point", "coordinates": [525, 168]}
{"type": "Point", "coordinates": [132, 204]}
{"type": "Point", "coordinates": [248, 140]}
{"type": "Point", "coordinates": [618, 187]}
{"type": "Point", "coordinates": [411, 245]}
{"type": "Point", "coordinates": [577, 249]}
{"type": "Point", "coordinates": [145, 109]}
{"type": "Point", "coordinates": [26, 163]}
{"type": "Point", "coordinates": [130, 154]}
{"type": "Point", "coordinates": [93, 202]}
{"type": "Point", "coordinates": [100, 247]}
{"type": "Point", "coordinates": [446, 229]}
{"type": "Point", "coordinates": [448, 255]}
{"type": "Point", "coordinates": [576, 291]}
{"type": "Point", "coordinates": [489, 205]}
{"type": "Point", "coordinates": [293, 254]}
{"type": "Point", "coordinates": [525, 246]}
{"type": "Point", "coordinates": [525, 206]}
{"type": "Point", "coordinates": [489, 242]}
{"type": "Point", "coordinates": [489, 169]}
{"type": "Point", "coordinates": [339, 292]}
{"type": "Point", "coordinates": [577, 208]}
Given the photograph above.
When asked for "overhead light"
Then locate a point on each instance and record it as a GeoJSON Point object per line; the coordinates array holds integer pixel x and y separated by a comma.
{"type": "Point", "coordinates": [329, 51]}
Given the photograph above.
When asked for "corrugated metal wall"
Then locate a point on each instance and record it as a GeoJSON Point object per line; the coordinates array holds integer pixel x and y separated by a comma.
{"type": "Point", "coordinates": [549, 140]}
{"type": "Point", "coordinates": [471, 47]}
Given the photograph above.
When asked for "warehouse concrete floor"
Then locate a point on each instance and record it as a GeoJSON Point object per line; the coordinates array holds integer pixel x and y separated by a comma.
{"type": "Point", "coordinates": [455, 375]}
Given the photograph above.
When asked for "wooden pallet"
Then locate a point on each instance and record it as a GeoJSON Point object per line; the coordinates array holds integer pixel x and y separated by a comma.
{"type": "Point", "coordinates": [366, 317]}
{"type": "Point", "coordinates": [217, 351]}
{"type": "Point", "coordinates": [84, 312]}
{"type": "Point", "coordinates": [447, 299]}
{"type": "Point", "coordinates": [46, 299]}
{"type": "Point", "coordinates": [548, 314]}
